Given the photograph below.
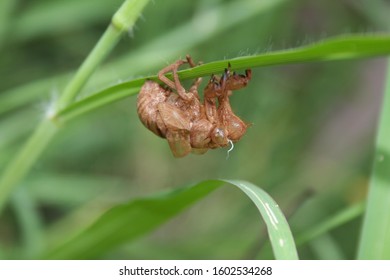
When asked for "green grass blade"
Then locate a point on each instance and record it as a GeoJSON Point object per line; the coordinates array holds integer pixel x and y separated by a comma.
{"type": "Point", "coordinates": [279, 231]}
{"type": "Point", "coordinates": [337, 48]}
{"type": "Point", "coordinates": [332, 222]}
{"type": "Point", "coordinates": [98, 100]}
{"type": "Point", "coordinates": [375, 239]}
{"type": "Point", "coordinates": [124, 223]}
{"type": "Point", "coordinates": [30, 222]}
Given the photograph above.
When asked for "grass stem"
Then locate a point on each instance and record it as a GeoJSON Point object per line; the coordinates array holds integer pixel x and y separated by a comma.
{"type": "Point", "coordinates": [24, 160]}
{"type": "Point", "coordinates": [375, 238]}
{"type": "Point", "coordinates": [122, 21]}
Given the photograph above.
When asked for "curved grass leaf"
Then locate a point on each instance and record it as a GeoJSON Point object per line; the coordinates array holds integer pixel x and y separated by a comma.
{"type": "Point", "coordinates": [124, 223]}
{"type": "Point", "coordinates": [336, 48]}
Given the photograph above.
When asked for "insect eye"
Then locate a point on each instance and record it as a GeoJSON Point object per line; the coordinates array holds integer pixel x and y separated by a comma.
{"type": "Point", "coordinates": [219, 136]}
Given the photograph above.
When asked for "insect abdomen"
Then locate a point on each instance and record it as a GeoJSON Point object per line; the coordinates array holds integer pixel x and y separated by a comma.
{"type": "Point", "coordinates": [150, 96]}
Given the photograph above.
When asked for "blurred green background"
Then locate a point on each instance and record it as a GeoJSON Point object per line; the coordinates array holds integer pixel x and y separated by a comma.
{"type": "Point", "coordinates": [310, 144]}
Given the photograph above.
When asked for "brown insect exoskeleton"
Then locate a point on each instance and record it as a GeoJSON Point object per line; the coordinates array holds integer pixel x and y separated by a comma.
{"type": "Point", "coordinates": [178, 115]}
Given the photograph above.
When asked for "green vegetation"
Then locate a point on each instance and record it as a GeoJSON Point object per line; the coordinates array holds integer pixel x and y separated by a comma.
{"type": "Point", "coordinates": [82, 178]}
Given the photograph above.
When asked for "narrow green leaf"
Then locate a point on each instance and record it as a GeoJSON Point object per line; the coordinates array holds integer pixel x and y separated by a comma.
{"type": "Point", "coordinates": [279, 231]}
{"type": "Point", "coordinates": [336, 48]}
{"type": "Point", "coordinates": [124, 223]}
{"type": "Point", "coordinates": [375, 239]}
{"type": "Point", "coordinates": [330, 223]}
{"type": "Point", "coordinates": [95, 101]}
{"type": "Point", "coordinates": [30, 222]}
